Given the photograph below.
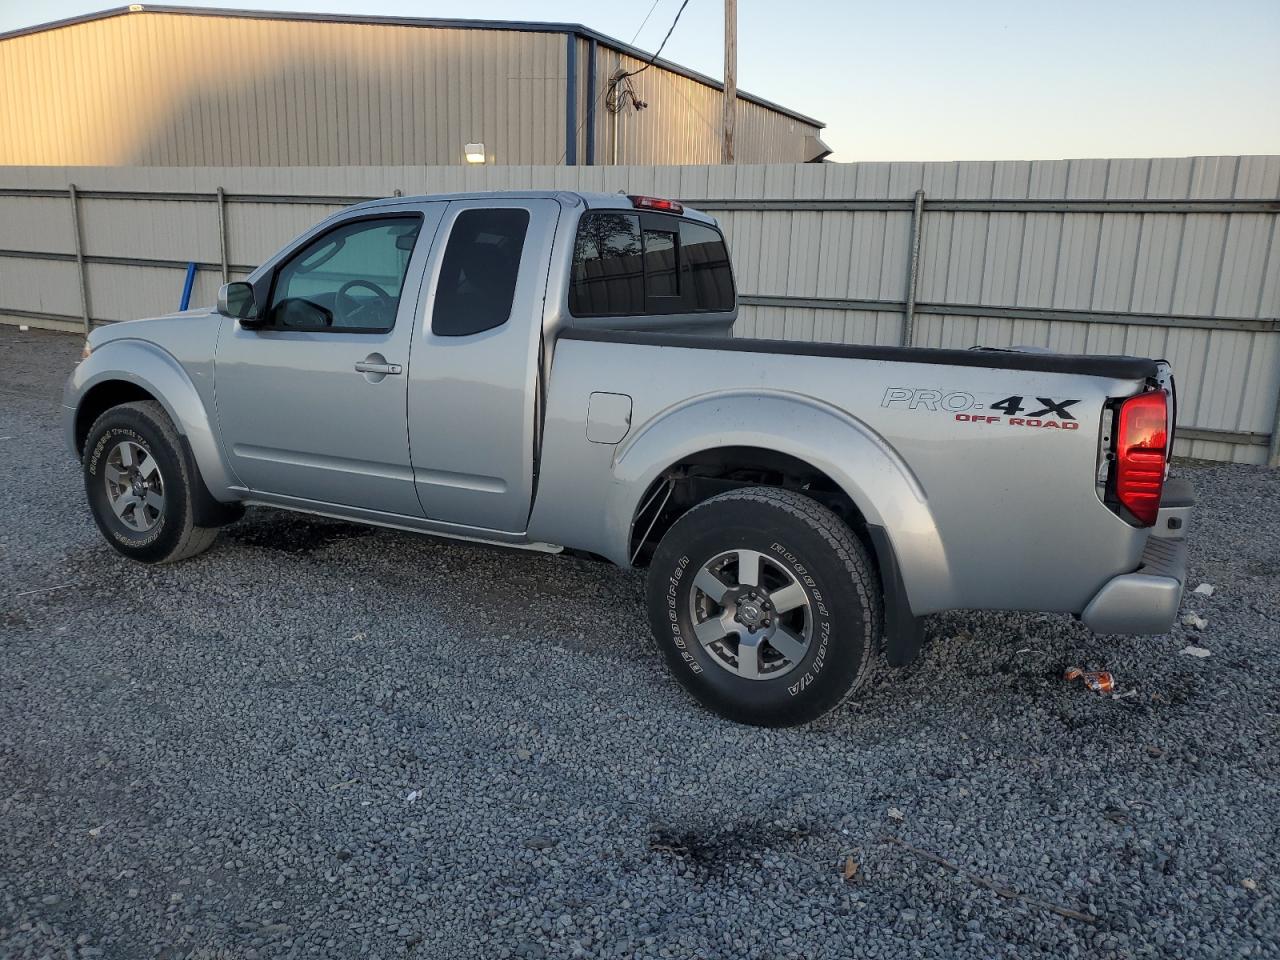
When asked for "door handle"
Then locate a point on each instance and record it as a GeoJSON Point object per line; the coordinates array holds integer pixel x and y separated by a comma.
{"type": "Point", "coordinates": [378, 366]}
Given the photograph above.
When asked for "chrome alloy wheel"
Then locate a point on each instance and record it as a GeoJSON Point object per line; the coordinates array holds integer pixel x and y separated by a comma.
{"type": "Point", "coordinates": [135, 487]}
{"type": "Point", "coordinates": [751, 615]}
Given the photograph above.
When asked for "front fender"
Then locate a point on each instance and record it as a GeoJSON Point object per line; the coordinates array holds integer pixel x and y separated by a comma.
{"type": "Point", "coordinates": [854, 456]}
{"type": "Point", "coordinates": [156, 371]}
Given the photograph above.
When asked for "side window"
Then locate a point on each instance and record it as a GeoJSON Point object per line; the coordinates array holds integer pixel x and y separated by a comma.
{"type": "Point", "coordinates": [627, 264]}
{"type": "Point", "coordinates": [477, 283]}
{"type": "Point", "coordinates": [608, 272]}
{"type": "Point", "coordinates": [348, 279]}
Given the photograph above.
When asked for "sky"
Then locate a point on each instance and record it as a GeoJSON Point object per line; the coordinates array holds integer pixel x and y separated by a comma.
{"type": "Point", "coordinates": [939, 80]}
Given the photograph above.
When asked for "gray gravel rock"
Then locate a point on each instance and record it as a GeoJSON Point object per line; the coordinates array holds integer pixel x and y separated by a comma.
{"type": "Point", "coordinates": [242, 731]}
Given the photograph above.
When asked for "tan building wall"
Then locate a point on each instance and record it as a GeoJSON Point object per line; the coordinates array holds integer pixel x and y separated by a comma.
{"type": "Point", "coordinates": [154, 88]}
{"type": "Point", "coordinates": [684, 119]}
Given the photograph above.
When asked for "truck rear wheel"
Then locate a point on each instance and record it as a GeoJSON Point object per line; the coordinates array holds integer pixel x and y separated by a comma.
{"type": "Point", "coordinates": [140, 485]}
{"type": "Point", "coordinates": [766, 606]}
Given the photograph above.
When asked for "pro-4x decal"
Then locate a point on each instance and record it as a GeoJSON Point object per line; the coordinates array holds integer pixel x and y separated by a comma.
{"type": "Point", "coordinates": [964, 407]}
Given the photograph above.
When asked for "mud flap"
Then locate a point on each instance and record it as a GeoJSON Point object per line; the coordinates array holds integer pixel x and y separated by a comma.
{"type": "Point", "coordinates": [206, 510]}
{"type": "Point", "coordinates": [903, 630]}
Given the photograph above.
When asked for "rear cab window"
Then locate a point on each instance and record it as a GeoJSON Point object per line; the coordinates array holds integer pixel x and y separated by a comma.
{"type": "Point", "coordinates": [644, 263]}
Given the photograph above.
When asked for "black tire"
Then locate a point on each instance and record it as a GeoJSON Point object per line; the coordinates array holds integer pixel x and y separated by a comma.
{"type": "Point", "coordinates": [798, 537]}
{"type": "Point", "coordinates": [173, 534]}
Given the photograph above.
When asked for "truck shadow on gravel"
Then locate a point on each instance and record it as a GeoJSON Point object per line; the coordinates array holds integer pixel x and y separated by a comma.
{"type": "Point", "coordinates": [578, 603]}
{"type": "Point", "coordinates": [292, 533]}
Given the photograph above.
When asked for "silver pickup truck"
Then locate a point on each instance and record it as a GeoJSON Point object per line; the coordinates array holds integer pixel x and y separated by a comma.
{"type": "Point", "coordinates": [554, 371]}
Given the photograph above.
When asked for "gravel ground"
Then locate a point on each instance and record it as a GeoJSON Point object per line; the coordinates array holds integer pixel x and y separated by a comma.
{"type": "Point", "coordinates": [221, 758]}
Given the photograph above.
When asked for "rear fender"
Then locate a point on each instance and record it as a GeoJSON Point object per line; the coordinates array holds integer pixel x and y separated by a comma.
{"type": "Point", "coordinates": [154, 370]}
{"type": "Point", "coordinates": [860, 461]}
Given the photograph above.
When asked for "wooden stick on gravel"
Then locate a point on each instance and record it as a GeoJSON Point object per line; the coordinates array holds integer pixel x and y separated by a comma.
{"type": "Point", "coordinates": [1007, 892]}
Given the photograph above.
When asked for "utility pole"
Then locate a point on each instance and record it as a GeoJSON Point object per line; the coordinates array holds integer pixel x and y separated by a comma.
{"type": "Point", "coordinates": [730, 78]}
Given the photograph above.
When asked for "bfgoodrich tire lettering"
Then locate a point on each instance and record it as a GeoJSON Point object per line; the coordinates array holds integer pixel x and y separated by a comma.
{"type": "Point", "coordinates": [166, 532]}
{"type": "Point", "coordinates": [803, 557]}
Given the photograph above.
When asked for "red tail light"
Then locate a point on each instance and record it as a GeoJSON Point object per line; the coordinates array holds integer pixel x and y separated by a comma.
{"type": "Point", "coordinates": [656, 203]}
{"type": "Point", "coordinates": [1141, 454]}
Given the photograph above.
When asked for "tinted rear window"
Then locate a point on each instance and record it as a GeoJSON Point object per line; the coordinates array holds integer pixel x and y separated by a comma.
{"type": "Point", "coordinates": [706, 259]}
{"type": "Point", "coordinates": [628, 264]}
{"type": "Point", "coordinates": [478, 274]}
{"type": "Point", "coordinates": [608, 272]}
{"type": "Point", "coordinates": [661, 278]}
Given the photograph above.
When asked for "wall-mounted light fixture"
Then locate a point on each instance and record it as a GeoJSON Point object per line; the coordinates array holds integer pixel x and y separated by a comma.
{"type": "Point", "coordinates": [474, 152]}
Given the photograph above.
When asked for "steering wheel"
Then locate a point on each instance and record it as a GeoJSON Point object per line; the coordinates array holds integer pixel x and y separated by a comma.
{"type": "Point", "coordinates": [357, 307]}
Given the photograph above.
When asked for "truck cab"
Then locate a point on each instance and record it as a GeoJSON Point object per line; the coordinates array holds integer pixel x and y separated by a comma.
{"type": "Point", "coordinates": [342, 299]}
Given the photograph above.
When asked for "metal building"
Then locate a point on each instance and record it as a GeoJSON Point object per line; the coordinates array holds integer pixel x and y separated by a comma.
{"type": "Point", "coordinates": [184, 86]}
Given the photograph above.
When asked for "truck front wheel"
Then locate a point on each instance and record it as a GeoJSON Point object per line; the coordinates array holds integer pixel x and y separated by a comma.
{"type": "Point", "coordinates": [140, 485]}
{"type": "Point", "coordinates": [766, 606]}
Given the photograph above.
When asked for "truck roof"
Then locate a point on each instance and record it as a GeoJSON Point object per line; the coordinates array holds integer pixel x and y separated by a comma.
{"type": "Point", "coordinates": [590, 200]}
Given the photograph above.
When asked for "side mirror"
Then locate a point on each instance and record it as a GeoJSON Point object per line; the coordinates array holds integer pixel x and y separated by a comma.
{"type": "Point", "coordinates": [236, 300]}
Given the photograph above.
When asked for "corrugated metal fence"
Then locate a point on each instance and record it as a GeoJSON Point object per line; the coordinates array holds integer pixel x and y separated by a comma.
{"type": "Point", "coordinates": [1174, 258]}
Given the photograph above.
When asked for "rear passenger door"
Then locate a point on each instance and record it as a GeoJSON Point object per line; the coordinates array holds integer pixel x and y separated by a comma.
{"type": "Point", "coordinates": [474, 377]}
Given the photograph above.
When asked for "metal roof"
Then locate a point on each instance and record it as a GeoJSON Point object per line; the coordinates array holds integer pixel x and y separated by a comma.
{"type": "Point", "coordinates": [519, 26]}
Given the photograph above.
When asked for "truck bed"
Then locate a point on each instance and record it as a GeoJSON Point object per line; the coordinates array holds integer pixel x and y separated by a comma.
{"type": "Point", "coordinates": [925, 441]}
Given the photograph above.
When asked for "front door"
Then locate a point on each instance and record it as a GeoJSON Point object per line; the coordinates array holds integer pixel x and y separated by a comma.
{"type": "Point", "coordinates": [312, 404]}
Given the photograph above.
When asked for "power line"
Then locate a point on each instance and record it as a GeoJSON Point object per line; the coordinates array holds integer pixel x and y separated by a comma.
{"type": "Point", "coordinates": [660, 46]}
{"type": "Point", "coordinates": [652, 7]}
{"type": "Point", "coordinates": [613, 83]}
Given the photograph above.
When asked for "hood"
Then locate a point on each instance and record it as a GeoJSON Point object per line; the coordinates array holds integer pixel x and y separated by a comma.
{"type": "Point", "coordinates": [150, 327]}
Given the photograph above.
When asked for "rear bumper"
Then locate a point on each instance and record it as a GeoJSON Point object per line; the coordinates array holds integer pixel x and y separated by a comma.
{"type": "Point", "coordinates": [1146, 601]}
